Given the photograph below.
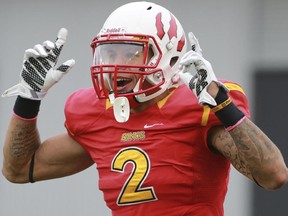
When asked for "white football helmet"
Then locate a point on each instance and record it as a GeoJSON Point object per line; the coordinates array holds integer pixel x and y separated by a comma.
{"type": "Point", "coordinates": [139, 38]}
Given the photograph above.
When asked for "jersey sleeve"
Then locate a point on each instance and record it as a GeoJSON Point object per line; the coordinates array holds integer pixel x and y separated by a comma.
{"type": "Point", "coordinates": [71, 114]}
{"type": "Point", "coordinates": [238, 96]}
{"type": "Point", "coordinates": [81, 111]}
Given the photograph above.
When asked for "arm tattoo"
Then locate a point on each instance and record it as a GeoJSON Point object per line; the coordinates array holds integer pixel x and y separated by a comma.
{"type": "Point", "coordinates": [230, 151]}
{"type": "Point", "coordinates": [254, 148]}
{"type": "Point", "coordinates": [251, 152]}
{"type": "Point", "coordinates": [24, 140]}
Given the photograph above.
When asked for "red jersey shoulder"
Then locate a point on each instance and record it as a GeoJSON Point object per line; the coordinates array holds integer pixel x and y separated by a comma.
{"type": "Point", "coordinates": [183, 106]}
{"type": "Point", "coordinates": [82, 109]}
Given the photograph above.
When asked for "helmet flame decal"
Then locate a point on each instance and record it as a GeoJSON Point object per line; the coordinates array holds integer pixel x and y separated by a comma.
{"type": "Point", "coordinates": [160, 26]}
{"type": "Point", "coordinates": [181, 43]}
{"type": "Point", "coordinates": [172, 32]}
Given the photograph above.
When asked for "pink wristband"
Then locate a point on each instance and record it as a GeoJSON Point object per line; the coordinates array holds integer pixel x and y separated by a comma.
{"type": "Point", "coordinates": [235, 125]}
{"type": "Point", "coordinates": [24, 119]}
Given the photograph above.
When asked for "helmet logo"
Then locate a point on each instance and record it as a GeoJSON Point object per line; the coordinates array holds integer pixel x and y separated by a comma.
{"type": "Point", "coordinates": [172, 32]}
{"type": "Point", "coordinates": [112, 30]}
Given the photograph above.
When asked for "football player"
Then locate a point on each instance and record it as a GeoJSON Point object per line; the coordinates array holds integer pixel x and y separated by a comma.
{"type": "Point", "coordinates": [163, 138]}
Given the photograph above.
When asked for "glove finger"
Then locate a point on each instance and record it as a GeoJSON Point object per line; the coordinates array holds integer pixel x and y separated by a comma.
{"type": "Point", "coordinates": [48, 46]}
{"type": "Point", "coordinates": [66, 66]}
{"type": "Point", "coordinates": [30, 53]}
{"type": "Point", "coordinates": [203, 64]}
{"type": "Point", "coordinates": [61, 38]}
{"type": "Point", "coordinates": [41, 50]}
{"type": "Point", "coordinates": [186, 78]}
{"type": "Point", "coordinates": [190, 58]}
{"type": "Point", "coordinates": [195, 46]}
{"type": "Point", "coordinates": [62, 70]}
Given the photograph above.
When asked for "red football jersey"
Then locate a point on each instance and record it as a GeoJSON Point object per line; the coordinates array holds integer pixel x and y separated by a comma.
{"type": "Point", "coordinates": [158, 162]}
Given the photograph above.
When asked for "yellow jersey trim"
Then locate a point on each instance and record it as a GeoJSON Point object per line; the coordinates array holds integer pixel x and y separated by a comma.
{"type": "Point", "coordinates": [162, 102]}
{"type": "Point", "coordinates": [108, 104]}
{"type": "Point", "coordinates": [233, 86]}
{"type": "Point", "coordinates": [205, 115]}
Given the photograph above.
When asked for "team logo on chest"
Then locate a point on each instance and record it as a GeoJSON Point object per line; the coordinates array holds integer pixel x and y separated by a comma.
{"type": "Point", "coordinates": [133, 136]}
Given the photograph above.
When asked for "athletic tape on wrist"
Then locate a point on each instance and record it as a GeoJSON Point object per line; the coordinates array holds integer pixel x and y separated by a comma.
{"type": "Point", "coordinates": [226, 111]}
{"type": "Point", "coordinates": [26, 109]}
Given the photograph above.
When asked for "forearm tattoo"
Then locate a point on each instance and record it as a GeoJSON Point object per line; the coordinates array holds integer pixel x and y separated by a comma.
{"type": "Point", "coordinates": [230, 151]}
{"type": "Point", "coordinates": [24, 140]}
{"type": "Point", "coordinates": [253, 146]}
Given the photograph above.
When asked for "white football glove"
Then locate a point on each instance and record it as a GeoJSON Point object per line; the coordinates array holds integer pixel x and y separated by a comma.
{"type": "Point", "coordinates": [204, 72]}
{"type": "Point", "coordinates": [39, 72]}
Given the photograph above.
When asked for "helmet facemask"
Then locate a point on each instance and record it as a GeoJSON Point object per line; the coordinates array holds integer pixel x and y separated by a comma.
{"type": "Point", "coordinates": [126, 65]}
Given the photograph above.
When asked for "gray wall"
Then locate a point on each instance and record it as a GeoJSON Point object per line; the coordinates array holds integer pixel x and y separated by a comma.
{"type": "Point", "coordinates": [237, 37]}
{"type": "Point", "coordinates": [266, 203]}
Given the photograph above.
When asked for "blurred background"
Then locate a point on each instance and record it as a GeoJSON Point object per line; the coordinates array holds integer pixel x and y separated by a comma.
{"type": "Point", "coordinates": [245, 41]}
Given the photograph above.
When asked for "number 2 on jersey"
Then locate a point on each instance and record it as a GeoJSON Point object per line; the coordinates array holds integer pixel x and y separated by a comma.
{"type": "Point", "coordinates": [132, 191]}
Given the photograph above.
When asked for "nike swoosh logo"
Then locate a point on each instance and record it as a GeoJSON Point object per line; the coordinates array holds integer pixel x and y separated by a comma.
{"type": "Point", "coordinates": [152, 125]}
